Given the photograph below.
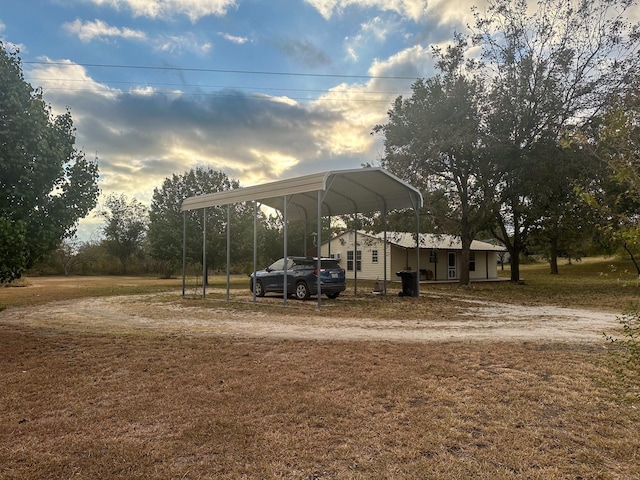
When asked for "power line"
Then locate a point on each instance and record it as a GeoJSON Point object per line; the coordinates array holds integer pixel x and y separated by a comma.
{"type": "Point", "coordinates": [204, 85]}
{"type": "Point", "coordinates": [217, 70]}
{"type": "Point", "coordinates": [255, 96]}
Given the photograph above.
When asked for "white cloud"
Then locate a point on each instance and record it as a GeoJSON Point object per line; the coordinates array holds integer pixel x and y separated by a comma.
{"type": "Point", "coordinates": [411, 62]}
{"type": "Point", "coordinates": [143, 135]}
{"type": "Point", "coordinates": [443, 12]}
{"type": "Point", "coordinates": [233, 38]}
{"type": "Point", "coordinates": [181, 43]}
{"type": "Point", "coordinates": [359, 107]}
{"type": "Point", "coordinates": [413, 9]}
{"type": "Point", "coordinates": [64, 79]}
{"type": "Point", "coordinates": [193, 9]}
{"type": "Point", "coordinates": [98, 29]}
{"type": "Point", "coordinates": [373, 32]}
{"type": "Point", "coordinates": [2, 26]}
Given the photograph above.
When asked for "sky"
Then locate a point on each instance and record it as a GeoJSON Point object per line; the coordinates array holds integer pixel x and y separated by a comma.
{"type": "Point", "coordinates": [260, 90]}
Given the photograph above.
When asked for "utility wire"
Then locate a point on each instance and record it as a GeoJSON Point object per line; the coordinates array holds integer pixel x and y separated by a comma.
{"type": "Point", "coordinates": [216, 70]}
{"type": "Point", "coordinates": [255, 95]}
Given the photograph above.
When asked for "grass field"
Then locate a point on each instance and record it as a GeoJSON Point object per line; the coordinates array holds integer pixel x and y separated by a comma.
{"type": "Point", "coordinates": [152, 404]}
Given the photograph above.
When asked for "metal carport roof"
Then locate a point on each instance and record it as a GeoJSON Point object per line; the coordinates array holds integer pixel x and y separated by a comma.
{"type": "Point", "coordinates": [335, 192]}
{"type": "Point", "coordinates": [363, 190]}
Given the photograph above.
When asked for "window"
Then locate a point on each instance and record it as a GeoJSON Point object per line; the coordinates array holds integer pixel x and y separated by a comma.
{"type": "Point", "coordinates": [472, 261]}
{"type": "Point", "coordinates": [433, 256]}
{"type": "Point", "coordinates": [374, 256]}
{"type": "Point", "coordinates": [350, 260]}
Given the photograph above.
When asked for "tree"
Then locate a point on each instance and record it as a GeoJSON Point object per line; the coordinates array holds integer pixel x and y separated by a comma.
{"type": "Point", "coordinates": [550, 69]}
{"type": "Point", "coordinates": [124, 228]}
{"type": "Point", "coordinates": [562, 224]}
{"type": "Point", "coordinates": [433, 140]}
{"type": "Point", "coordinates": [166, 221]}
{"type": "Point", "coordinates": [46, 184]}
{"type": "Point", "coordinates": [615, 194]}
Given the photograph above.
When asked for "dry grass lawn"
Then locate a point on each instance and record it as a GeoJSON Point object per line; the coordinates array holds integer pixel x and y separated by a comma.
{"type": "Point", "coordinates": [143, 404]}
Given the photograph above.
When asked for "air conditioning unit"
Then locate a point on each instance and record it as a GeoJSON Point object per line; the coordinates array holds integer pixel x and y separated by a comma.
{"type": "Point", "coordinates": [337, 256]}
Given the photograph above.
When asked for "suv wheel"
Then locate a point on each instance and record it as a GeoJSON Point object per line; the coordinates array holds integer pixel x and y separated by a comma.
{"type": "Point", "coordinates": [333, 295]}
{"type": "Point", "coordinates": [302, 291]}
{"type": "Point", "coordinates": [259, 289]}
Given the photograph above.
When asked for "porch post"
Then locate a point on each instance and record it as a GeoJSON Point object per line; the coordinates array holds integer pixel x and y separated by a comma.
{"type": "Point", "coordinates": [355, 257]}
{"type": "Point", "coordinates": [384, 253]}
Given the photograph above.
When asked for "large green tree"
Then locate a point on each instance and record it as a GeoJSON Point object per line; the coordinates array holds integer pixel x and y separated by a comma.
{"type": "Point", "coordinates": [550, 67]}
{"type": "Point", "coordinates": [167, 220]}
{"type": "Point", "coordinates": [615, 195]}
{"type": "Point", "coordinates": [125, 227]}
{"type": "Point", "coordinates": [433, 140]}
{"type": "Point", "coordinates": [46, 184]}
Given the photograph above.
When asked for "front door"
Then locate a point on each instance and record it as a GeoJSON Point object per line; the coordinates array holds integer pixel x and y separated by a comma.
{"type": "Point", "coordinates": [452, 270]}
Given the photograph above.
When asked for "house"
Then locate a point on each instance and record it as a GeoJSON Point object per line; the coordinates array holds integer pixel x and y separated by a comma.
{"type": "Point", "coordinates": [439, 256]}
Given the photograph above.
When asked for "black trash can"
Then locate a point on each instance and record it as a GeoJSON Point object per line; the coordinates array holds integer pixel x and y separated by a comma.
{"type": "Point", "coordinates": [409, 283]}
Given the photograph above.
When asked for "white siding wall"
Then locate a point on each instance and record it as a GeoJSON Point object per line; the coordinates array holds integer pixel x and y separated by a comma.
{"type": "Point", "coordinates": [403, 259]}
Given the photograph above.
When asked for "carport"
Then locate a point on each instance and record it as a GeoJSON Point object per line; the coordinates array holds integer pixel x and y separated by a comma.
{"type": "Point", "coordinates": [310, 197]}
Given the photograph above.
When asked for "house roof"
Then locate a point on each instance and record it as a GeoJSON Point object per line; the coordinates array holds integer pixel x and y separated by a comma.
{"type": "Point", "coordinates": [433, 241]}
{"type": "Point", "coordinates": [363, 190]}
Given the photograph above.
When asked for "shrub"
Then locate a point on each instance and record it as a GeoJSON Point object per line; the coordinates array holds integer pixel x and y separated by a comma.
{"type": "Point", "coordinates": [626, 355]}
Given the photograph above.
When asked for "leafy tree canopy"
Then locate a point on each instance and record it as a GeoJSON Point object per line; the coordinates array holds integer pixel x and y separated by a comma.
{"type": "Point", "coordinates": [167, 219]}
{"type": "Point", "coordinates": [125, 227]}
{"type": "Point", "coordinates": [46, 184]}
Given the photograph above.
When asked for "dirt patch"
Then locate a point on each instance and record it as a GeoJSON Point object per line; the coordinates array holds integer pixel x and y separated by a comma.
{"type": "Point", "coordinates": [471, 320]}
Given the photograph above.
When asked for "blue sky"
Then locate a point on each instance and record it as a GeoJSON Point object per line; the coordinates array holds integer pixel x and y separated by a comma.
{"type": "Point", "coordinates": [261, 90]}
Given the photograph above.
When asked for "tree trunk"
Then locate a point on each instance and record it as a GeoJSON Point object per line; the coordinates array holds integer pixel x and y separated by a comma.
{"type": "Point", "coordinates": [633, 259]}
{"type": "Point", "coordinates": [465, 279]}
{"type": "Point", "coordinates": [553, 256]}
{"type": "Point", "coordinates": [515, 265]}
{"type": "Point", "coordinates": [553, 262]}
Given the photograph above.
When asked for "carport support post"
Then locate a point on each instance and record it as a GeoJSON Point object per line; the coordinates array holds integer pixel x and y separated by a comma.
{"type": "Point", "coordinates": [319, 247]}
{"type": "Point", "coordinates": [228, 248]}
{"type": "Point", "coordinates": [204, 252]}
{"type": "Point", "coordinates": [184, 252]}
{"type": "Point", "coordinates": [255, 247]}
{"type": "Point", "coordinates": [417, 250]}
{"type": "Point", "coordinates": [285, 290]}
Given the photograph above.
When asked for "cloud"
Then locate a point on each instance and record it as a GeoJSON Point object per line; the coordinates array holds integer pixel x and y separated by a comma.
{"type": "Point", "coordinates": [143, 135]}
{"type": "Point", "coordinates": [233, 39]}
{"type": "Point", "coordinates": [357, 108]}
{"type": "Point", "coordinates": [412, 9]}
{"type": "Point", "coordinates": [304, 52]}
{"type": "Point", "coordinates": [166, 9]}
{"type": "Point", "coordinates": [440, 12]}
{"type": "Point", "coordinates": [181, 43]}
{"type": "Point", "coordinates": [372, 33]}
{"type": "Point", "coordinates": [100, 30]}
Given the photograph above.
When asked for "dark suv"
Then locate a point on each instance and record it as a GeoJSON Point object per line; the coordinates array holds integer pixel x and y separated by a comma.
{"type": "Point", "coordinates": [302, 279]}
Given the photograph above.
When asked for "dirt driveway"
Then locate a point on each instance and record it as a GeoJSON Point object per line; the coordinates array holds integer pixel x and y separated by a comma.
{"type": "Point", "coordinates": [473, 321]}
